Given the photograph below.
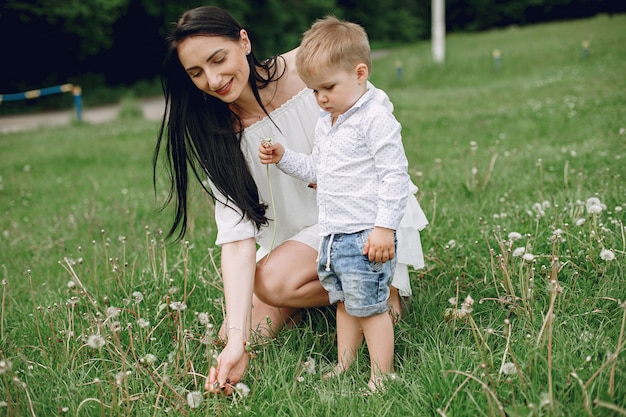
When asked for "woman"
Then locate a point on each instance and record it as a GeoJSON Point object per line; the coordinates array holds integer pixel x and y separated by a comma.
{"type": "Point", "coordinates": [220, 103]}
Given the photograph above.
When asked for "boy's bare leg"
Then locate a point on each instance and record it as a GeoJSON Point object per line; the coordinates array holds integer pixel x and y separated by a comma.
{"type": "Point", "coordinates": [349, 339]}
{"type": "Point", "coordinates": [378, 331]}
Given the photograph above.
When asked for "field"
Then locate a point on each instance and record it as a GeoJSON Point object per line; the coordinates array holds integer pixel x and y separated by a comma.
{"type": "Point", "coordinates": [518, 146]}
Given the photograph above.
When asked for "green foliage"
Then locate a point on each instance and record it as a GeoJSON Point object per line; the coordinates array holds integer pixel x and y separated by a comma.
{"type": "Point", "coordinates": [90, 20]}
{"type": "Point", "coordinates": [519, 310]}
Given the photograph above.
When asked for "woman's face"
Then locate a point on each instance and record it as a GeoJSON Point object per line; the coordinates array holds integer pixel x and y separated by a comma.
{"type": "Point", "coordinates": [217, 65]}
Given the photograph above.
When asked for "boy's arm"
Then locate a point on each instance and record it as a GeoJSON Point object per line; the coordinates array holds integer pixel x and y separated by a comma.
{"type": "Point", "coordinates": [295, 164]}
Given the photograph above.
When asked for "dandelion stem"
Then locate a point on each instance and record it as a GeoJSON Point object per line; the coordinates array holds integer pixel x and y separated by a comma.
{"type": "Point", "coordinates": [611, 390]}
{"type": "Point", "coordinates": [269, 182]}
{"type": "Point", "coordinates": [484, 386]}
{"type": "Point", "coordinates": [610, 406]}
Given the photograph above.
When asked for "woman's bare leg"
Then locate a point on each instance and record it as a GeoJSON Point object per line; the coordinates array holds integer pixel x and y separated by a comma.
{"type": "Point", "coordinates": [285, 282]}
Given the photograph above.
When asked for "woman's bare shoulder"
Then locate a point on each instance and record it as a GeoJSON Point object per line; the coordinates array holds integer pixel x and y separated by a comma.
{"type": "Point", "coordinates": [291, 79]}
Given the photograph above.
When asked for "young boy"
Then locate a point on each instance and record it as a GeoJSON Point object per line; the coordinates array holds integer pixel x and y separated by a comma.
{"type": "Point", "coordinates": [360, 168]}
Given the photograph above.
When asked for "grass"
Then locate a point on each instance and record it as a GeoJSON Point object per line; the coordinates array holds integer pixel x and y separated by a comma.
{"type": "Point", "coordinates": [518, 312]}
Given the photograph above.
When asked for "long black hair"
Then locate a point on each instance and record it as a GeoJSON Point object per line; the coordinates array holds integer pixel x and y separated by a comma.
{"type": "Point", "coordinates": [200, 130]}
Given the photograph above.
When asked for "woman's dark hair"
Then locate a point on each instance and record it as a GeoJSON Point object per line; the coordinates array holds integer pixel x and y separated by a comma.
{"type": "Point", "coordinates": [199, 129]}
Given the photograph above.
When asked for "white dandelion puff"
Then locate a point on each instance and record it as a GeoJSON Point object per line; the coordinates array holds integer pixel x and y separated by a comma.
{"type": "Point", "coordinates": [95, 341]}
{"type": "Point", "coordinates": [580, 222]}
{"type": "Point", "coordinates": [242, 389]}
{"type": "Point", "coordinates": [528, 257]}
{"type": "Point", "coordinates": [178, 306]}
{"type": "Point", "coordinates": [143, 323]}
{"type": "Point", "coordinates": [112, 312]}
{"type": "Point", "coordinates": [519, 251]}
{"type": "Point", "coordinates": [513, 236]}
{"type": "Point", "coordinates": [509, 368]}
{"type": "Point", "coordinates": [607, 255]}
{"type": "Point", "coordinates": [194, 399]}
{"type": "Point", "coordinates": [137, 297]}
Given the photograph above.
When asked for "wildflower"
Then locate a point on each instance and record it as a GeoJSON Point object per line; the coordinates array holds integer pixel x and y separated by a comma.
{"type": "Point", "coordinates": [194, 399]}
{"type": "Point", "coordinates": [309, 366]}
{"type": "Point", "coordinates": [452, 300]}
{"type": "Point", "coordinates": [178, 306]}
{"type": "Point", "coordinates": [594, 205]}
{"type": "Point", "coordinates": [513, 236]}
{"type": "Point", "coordinates": [138, 297]}
{"type": "Point", "coordinates": [267, 141]}
{"type": "Point", "coordinates": [466, 305]}
{"type": "Point", "coordinates": [242, 389]}
{"type": "Point", "coordinates": [607, 255]}
{"type": "Point", "coordinates": [509, 368]}
{"type": "Point", "coordinates": [519, 251]}
{"type": "Point", "coordinates": [618, 209]}
{"type": "Point", "coordinates": [112, 312]}
{"type": "Point", "coordinates": [5, 366]}
{"type": "Point", "coordinates": [203, 318]}
{"type": "Point", "coordinates": [143, 323]}
{"type": "Point", "coordinates": [451, 243]}
{"type": "Point", "coordinates": [95, 341]}
{"type": "Point", "coordinates": [149, 358]}
{"type": "Point", "coordinates": [115, 326]}
{"type": "Point", "coordinates": [580, 222]}
{"type": "Point", "coordinates": [71, 284]}
{"type": "Point", "coordinates": [528, 257]}
{"type": "Point", "coordinates": [121, 377]}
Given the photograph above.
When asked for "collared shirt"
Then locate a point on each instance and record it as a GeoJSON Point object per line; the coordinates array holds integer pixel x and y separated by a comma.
{"type": "Point", "coordinates": [359, 166]}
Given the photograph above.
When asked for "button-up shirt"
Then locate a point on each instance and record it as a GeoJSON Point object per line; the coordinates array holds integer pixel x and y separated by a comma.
{"type": "Point", "coordinates": [359, 166]}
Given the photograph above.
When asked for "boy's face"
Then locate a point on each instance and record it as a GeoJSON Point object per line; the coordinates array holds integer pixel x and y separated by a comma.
{"type": "Point", "coordinates": [337, 90]}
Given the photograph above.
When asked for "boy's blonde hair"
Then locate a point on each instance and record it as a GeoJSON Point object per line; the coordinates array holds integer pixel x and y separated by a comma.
{"type": "Point", "coordinates": [330, 44]}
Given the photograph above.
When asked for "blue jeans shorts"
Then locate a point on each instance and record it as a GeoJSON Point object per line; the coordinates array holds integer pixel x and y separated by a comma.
{"type": "Point", "coordinates": [350, 277]}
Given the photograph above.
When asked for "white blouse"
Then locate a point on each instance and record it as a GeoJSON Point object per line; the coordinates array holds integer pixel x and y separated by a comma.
{"type": "Point", "coordinates": [292, 204]}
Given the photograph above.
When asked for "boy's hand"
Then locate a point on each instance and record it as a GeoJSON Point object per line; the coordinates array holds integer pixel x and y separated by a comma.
{"type": "Point", "coordinates": [380, 245]}
{"type": "Point", "coordinates": [270, 152]}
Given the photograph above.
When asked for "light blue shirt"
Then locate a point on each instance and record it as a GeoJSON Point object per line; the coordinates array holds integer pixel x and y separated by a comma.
{"type": "Point", "coordinates": [359, 166]}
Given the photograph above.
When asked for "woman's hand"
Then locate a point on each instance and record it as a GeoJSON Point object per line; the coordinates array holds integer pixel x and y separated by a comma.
{"type": "Point", "coordinates": [231, 365]}
{"type": "Point", "coordinates": [271, 153]}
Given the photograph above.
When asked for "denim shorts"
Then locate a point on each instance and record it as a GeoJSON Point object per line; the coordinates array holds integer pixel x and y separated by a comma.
{"type": "Point", "coordinates": [350, 277]}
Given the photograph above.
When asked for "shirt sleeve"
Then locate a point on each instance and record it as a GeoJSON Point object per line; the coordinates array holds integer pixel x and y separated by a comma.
{"type": "Point", "coordinates": [231, 225]}
{"type": "Point", "coordinates": [299, 165]}
{"type": "Point", "coordinates": [392, 168]}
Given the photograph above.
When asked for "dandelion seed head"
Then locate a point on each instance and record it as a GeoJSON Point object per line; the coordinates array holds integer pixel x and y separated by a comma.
{"type": "Point", "coordinates": [528, 257]}
{"type": "Point", "coordinates": [178, 306]}
{"type": "Point", "coordinates": [203, 318]}
{"type": "Point", "coordinates": [309, 366]}
{"type": "Point", "coordinates": [112, 312]}
{"type": "Point", "coordinates": [194, 399]}
{"type": "Point", "coordinates": [513, 236]}
{"type": "Point", "coordinates": [95, 341]}
{"type": "Point", "coordinates": [517, 252]}
{"type": "Point", "coordinates": [137, 297]}
{"type": "Point", "coordinates": [509, 368]}
{"type": "Point", "coordinates": [452, 300]}
{"type": "Point", "coordinates": [71, 284]}
{"type": "Point", "coordinates": [588, 359]}
{"type": "Point", "coordinates": [143, 323]}
{"type": "Point", "coordinates": [580, 222]}
{"type": "Point", "coordinates": [607, 255]}
{"type": "Point", "coordinates": [242, 389]}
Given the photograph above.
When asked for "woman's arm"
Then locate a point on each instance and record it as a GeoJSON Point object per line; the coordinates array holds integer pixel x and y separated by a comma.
{"type": "Point", "coordinates": [238, 270]}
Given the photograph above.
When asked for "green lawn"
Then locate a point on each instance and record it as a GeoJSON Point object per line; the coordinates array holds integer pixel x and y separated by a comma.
{"type": "Point", "coordinates": [521, 172]}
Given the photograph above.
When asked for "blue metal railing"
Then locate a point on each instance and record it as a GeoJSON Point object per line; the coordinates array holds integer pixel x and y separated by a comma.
{"type": "Point", "coordinates": [63, 88]}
